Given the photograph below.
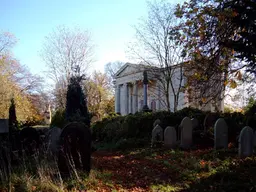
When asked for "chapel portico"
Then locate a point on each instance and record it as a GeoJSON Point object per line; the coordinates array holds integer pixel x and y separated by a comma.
{"type": "Point", "coordinates": [133, 93]}
{"type": "Point", "coordinates": [129, 93]}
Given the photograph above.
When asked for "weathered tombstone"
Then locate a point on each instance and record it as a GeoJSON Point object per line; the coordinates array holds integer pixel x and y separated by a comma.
{"type": "Point", "coordinates": [246, 142]}
{"type": "Point", "coordinates": [75, 149]}
{"type": "Point", "coordinates": [156, 122]}
{"type": "Point", "coordinates": [53, 139]}
{"type": "Point", "coordinates": [4, 125]}
{"type": "Point", "coordinates": [254, 138]}
{"type": "Point", "coordinates": [209, 121]}
{"type": "Point", "coordinates": [170, 137]}
{"type": "Point", "coordinates": [30, 140]}
{"type": "Point", "coordinates": [220, 134]}
{"type": "Point", "coordinates": [195, 123]}
{"type": "Point", "coordinates": [157, 135]}
{"type": "Point", "coordinates": [4, 149]}
{"type": "Point", "coordinates": [186, 132]}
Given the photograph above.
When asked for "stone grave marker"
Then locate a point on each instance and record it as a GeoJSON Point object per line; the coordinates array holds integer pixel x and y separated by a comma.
{"type": "Point", "coordinates": [195, 123]}
{"type": "Point", "coordinates": [4, 125]}
{"type": "Point", "coordinates": [246, 142]}
{"type": "Point", "coordinates": [186, 132]}
{"type": "Point", "coordinates": [53, 138]}
{"type": "Point", "coordinates": [157, 135]}
{"type": "Point", "coordinates": [75, 149]}
{"type": "Point", "coordinates": [170, 137]}
{"type": "Point", "coordinates": [254, 138]}
{"type": "Point", "coordinates": [209, 121]}
{"type": "Point", "coordinates": [220, 134]}
{"type": "Point", "coordinates": [156, 122]}
{"type": "Point", "coordinates": [30, 140]}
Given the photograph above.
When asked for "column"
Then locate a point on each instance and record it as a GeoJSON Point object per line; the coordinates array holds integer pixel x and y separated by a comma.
{"type": "Point", "coordinates": [126, 100]}
{"type": "Point", "coordinates": [145, 92]}
{"type": "Point", "coordinates": [158, 104]}
{"type": "Point", "coordinates": [117, 98]}
{"type": "Point", "coordinates": [135, 97]}
{"type": "Point", "coordinates": [130, 98]}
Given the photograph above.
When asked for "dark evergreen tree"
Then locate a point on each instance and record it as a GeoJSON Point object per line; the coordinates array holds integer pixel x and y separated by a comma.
{"type": "Point", "coordinates": [13, 123]}
{"type": "Point", "coordinates": [242, 18]}
{"type": "Point", "coordinates": [76, 105]}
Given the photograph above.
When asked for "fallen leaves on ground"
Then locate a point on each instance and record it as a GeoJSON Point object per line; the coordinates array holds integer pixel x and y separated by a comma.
{"type": "Point", "coordinates": [163, 170]}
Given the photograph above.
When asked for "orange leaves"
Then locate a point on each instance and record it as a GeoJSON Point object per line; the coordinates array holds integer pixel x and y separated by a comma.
{"type": "Point", "coordinates": [204, 100]}
{"type": "Point", "coordinates": [202, 163]}
{"type": "Point", "coordinates": [234, 13]}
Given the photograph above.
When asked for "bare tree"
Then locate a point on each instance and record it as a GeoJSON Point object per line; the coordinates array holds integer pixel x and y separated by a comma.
{"type": "Point", "coordinates": [65, 50]}
{"type": "Point", "coordinates": [160, 53]}
{"type": "Point", "coordinates": [7, 41]}
{"type": "Point", "coordinates": [110, 69]}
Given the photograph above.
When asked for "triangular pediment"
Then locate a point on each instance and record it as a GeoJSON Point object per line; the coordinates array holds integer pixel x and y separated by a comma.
{"type": "Point", "coordinates": [128, 69]}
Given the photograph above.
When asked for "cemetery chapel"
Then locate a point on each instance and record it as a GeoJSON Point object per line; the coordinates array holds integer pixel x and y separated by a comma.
{"type": "Point", "coordinates": [130, 91]}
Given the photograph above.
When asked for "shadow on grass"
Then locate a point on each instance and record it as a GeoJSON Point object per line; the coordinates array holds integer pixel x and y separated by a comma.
{"type": "Point", "coordinates": [139, 169]}
{"type": "Point", "coordinates": [175, 170]}
{"type": "Point", "coordinates": [144, 168]}
{"type": "Point", "coordinates": [240, 175]}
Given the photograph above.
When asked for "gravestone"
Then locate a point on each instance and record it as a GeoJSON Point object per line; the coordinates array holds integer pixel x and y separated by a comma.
{"type": "Point", "coordinates": [4, 125]}
{"type": "Point", "coordinates": [209, 121]}
{"type": "Point", "coordinates": [246, 142]}
{"type": "Point", "coordinates": [220, 134]}
{"type": "Point", "coordinates": [156, 122]}
{"type": "Point", "coordinates": [53, 139]}
{"type": "Point", "coordinates": [195, 123]}
{"type": "Point", "coordinates": [75, 149]}
{"type": "Point", "coordinates": [186, 132]}
{"type": "Point", "coordinates": [30, 140]}
{"type": "Point", "coordinates": [254, 139]}
{"type": "Point", "coordinates": [170, 137]}
{"type": "Point", "coordinates": [157, 135]}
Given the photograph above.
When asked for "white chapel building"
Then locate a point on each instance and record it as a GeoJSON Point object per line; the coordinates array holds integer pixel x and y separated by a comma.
{"type": "Point", "coordinates": [129, 95]}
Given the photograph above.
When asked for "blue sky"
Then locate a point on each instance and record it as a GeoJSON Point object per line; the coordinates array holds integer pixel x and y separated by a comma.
{"type": "Point", "coordinates": [109, 21]}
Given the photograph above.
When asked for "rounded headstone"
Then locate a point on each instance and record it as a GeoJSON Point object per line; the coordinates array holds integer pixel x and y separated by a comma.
{"type": "Point", "coordinates": [246, 142]}
{"type": "Point", "coordinates": [30, 140]}
{"type": "Point", "coordinates": [156, 122]}
{"type": "Point", "coordinates": [53, 138]}
{"type": "Point", "coordinates": [254, 138]}
{"type": "Point", "coordinates": [170, 137]}
{"type": "Point", "coordinates": [195, 123]}
{"type": "Point", "coordinates": [157, 135]}
{"type": "Point", "coordinates": [75, 149]}
{"type": "Point", "coordinates": [209, 121]}
{"type": "Point", "coordinates": [186, 132]}
{"type": "Point", "coordinates": [220, 134]}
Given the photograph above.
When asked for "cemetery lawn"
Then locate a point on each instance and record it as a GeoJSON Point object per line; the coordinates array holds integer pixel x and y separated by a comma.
{"type": "Point", "coordinates": [172, 170]}
{"type": "Point", "coordinates": [152, 170]}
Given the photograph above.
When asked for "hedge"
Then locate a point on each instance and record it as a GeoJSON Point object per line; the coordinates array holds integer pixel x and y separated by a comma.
{"type": "Point", "coordinates": [140, 125]}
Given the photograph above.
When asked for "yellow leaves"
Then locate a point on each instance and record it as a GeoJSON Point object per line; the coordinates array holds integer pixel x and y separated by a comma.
{"type": "Point", "coordinates": [232, 83]}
